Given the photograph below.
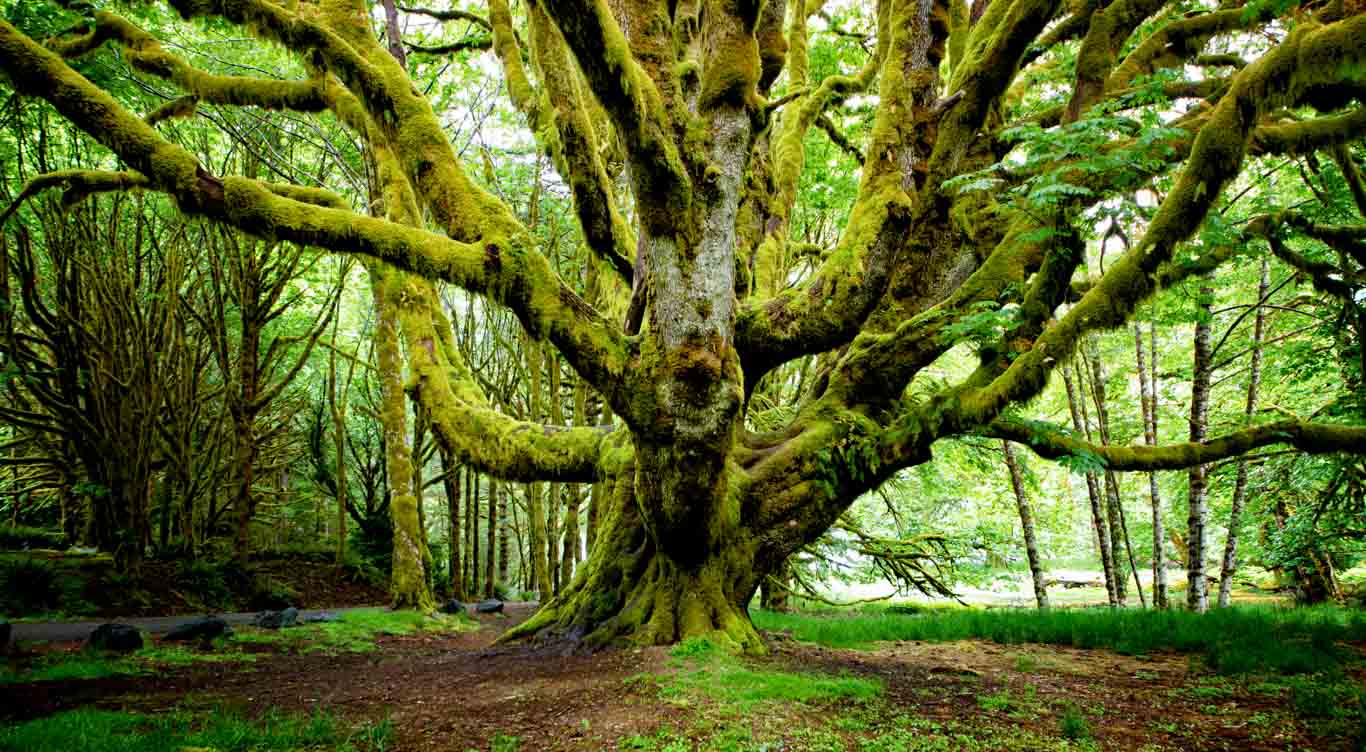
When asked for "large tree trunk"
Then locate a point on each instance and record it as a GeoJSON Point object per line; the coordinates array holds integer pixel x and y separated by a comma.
{"type": "Point", "coordinates": [1254, 380]}
{"type": "Point", "coordinates": [1026, 525]}
{"type": "Point", "coordinates": [632, 590]}
{"type": "Point", "coordinates": [1148, 403]}
{"type": "Point", "coordinates": [1197, 592]}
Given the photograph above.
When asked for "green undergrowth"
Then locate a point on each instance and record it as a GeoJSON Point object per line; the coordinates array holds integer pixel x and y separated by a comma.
{"type": "Point", "coordinates": [91, 730]}
{"type": "Point", "coordinates": [871, 732]}
{"type": "Point", "coordinates": [1233, 641]}
{"type": "Point", "coordinates": [81, 665]}
{"type": "Point", "coordinates": [702, 669]}
{"type": "Point", "coordinates": [353, 632]}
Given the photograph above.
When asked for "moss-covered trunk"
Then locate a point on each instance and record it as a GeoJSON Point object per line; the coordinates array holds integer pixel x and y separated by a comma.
{"type": "Point", "coordinates": [632, 590]}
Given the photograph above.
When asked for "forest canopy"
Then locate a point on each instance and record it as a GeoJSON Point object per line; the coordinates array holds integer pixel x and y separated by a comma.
{"type": "Point", "coordinates": [709, 273]}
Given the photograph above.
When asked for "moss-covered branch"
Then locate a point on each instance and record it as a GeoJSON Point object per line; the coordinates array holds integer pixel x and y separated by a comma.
{"type": "Point", "coordinates": [575, 148]}
{"type": "Point", "coordinates": [507, 272]}
{"type": "Point", "coordinates": [146, 54]}
{"type": "Point", "coordinates": [467, 425]}
{"type": "Point", "coordinates": [1051, 442]}
{"type": "Point", "coordinates": [78, 184]}
{"type": "Point", "coordinates": [631, 97]}
{"type": "Point", "coordinates": [1312, 56]}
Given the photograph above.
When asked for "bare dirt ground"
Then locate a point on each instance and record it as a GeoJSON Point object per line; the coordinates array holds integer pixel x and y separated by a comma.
{"type": "Point", "coordinates": [460, 692]}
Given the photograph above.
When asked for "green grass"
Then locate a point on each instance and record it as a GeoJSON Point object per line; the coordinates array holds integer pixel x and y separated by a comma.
{"type": "Point", "coordinates": [82, 665]}
{"type": "Point", "coordinates": [1235, 640]}
{"type": "Point", "coordinates": [711, 671]}
{"type": "Point", "coordinates": [91, 730]}
{"type": "Point", "coordinates": [353, 632]}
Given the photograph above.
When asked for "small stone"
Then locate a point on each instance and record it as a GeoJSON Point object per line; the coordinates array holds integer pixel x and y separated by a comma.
{"type": "Point", "coordinates": [453, 606]}
{"type": "Point", "coordinates": [118, 638]}
{"type": "Point", "coordinates": [318, 618]}
{"type": "Point", "coordinates": [202, 628]}
{"type": "Point", "coordinates": [489, 607]}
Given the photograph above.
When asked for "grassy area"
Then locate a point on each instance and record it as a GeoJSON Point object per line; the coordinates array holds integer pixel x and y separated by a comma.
{"type": "Point", "coordinates": [91, 730]}
{"type": "Point", "coordinates": [81, 665]}
{"type": "Point", "coordinates": [354, 632]}
{"type": "Point", "coordinates": [702, 669]}
{"type": "Point", "coordinates": [1234, 640]}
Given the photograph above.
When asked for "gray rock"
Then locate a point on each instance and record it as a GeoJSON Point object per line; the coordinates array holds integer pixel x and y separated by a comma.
{"type": "Point", "coordinates": [119, 638]}
{"type": "Point", "coordinates": [277, 619]}
{"type": "Point", "coordinates": [319, 618]}
{"type": "Point", "coordinates": [489, 607]}
{"type": "Point", "coordinates": [453, 606]}
{"type": "Point", "coordinates": [202, 628]}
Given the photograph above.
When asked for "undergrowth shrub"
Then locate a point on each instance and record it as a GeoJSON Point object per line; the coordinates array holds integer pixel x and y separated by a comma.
{"type": "Point", "coordinates": [206, 580]}
{"type": "Point", "coordinates": [34, 586]}
{"type": "Point", "coordinates": [1072, 724]}
{"type": "Point", "coordinates": [24, 538]}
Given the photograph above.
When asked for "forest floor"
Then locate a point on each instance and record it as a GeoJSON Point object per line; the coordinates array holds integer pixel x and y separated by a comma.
{"type": "Point", "coordinates": [451, 688]}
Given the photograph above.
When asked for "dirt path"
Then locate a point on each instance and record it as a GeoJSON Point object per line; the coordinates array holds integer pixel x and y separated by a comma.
{"type": "Point", "coordinates": [458, 692]}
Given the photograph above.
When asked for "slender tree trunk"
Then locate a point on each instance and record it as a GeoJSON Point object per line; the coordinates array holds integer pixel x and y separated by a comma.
{"type": "Point", "coordinates": [1254, 380]}
{"type": "Point", "coordinates": [472, 532]}
{"type": "Point", "coordinates": [540, 573]}
{"type": "Point", "coordinates": [570, 556]}
{"type": "Point", "coordinates": [1026, 525]}
{"type": "Point", "coordinates": [1148, 405]}
{"type": "Point", "coordinates": [504, 533]}
{"type": "Point", "coordinates": [450, 482]}
{"type": "Point", "coordinates": [490, 539]}
{"type": "Point", "coordinates": [1076, 407]}
{"type": "Point", "coordinates": [1114, 504]}
{"type": "Point", "coordinates": [1197, 592]}
{"type": "Point", "coordinates": [556, 502]}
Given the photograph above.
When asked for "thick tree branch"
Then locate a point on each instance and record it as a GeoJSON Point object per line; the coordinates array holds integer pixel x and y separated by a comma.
{"type": "Point", "coordinates": [635, 103]}
{"type": "Point", "coordinates": [1279, 76]}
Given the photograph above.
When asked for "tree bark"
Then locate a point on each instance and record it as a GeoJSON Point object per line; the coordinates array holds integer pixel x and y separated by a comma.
{"type": "Point", "coordinates": [1026, 525]}
{"type": "Point", "coordinates": [1197, 587]}
{"type": "Point", "coordinates": [1254, 380]}
{"type": "Point", "coordinates": [409, 576]}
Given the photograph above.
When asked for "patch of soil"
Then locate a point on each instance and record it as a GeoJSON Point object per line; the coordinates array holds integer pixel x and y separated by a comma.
{"type": "Point", "coordinates": [459, 691]}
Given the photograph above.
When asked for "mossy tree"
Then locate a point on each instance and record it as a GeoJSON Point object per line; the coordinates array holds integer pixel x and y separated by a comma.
{"type": "Point", "coordinates": [697, 507]}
